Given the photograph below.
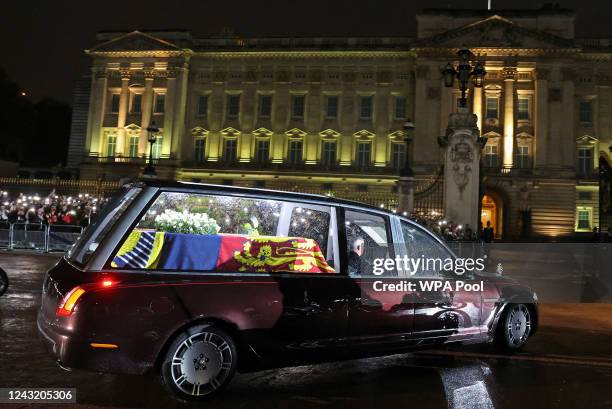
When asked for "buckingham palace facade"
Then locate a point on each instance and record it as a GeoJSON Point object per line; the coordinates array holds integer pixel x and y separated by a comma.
{"type": "Point", "coordinates": [326, 115]}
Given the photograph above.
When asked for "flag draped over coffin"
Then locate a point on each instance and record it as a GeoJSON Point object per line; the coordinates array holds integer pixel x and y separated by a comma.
{"type": "Point", "coordinates": [222, 252]}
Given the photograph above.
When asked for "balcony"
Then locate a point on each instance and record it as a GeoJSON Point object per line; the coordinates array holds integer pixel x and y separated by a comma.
{"type": "Point", "coordinates": [508, 171]}
{"type": "Point", "coordinates": [291, 167]}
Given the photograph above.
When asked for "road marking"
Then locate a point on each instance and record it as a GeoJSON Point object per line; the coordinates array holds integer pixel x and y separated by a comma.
{"type": "Point", "coordinates": [547, 359]}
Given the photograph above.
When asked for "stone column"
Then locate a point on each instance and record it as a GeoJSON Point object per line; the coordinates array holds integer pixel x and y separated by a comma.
{"type": "Point", "coordinates": [123, 110]}
{"type": "Point", "coordinates": [541, 117]}
{"type": "Point", "coordinates": [509, 78]}
{"type": "Point", "coordinates": [405, 186]}
{"type": "Point", "coordinates": [147, 109]}
{"type": "Point", "coordinates": [477, 106]}
{"type": "Point", "coordinates": [97, 102]}
{"type": "Point", "coordinates": [172, 147]}
{"type": "Point", "coordinates": [567, 140]}
{"type": "Point", "coordinates": [446, 106]}
{"type": "Point", "coordinates": [168, 122]}
{"type": "Point", "coordinates": [461, 169]}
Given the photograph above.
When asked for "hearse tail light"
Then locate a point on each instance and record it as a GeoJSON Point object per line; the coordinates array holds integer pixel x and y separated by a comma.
{"type": "Point", "coordinates": [69, 301]}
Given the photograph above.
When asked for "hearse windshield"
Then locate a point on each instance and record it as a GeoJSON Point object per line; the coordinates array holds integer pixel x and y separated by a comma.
{"type": "Point", "coordinates": [93, 235]}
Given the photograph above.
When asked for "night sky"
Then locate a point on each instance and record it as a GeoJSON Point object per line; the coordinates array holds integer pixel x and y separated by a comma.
{"type": "Point", "coordinates": [42, 41]}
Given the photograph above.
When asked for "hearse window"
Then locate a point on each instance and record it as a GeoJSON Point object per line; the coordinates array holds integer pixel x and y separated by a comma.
{"type": "Point", "coordinates": [367, 244]}
{"type": "Point", "coordinates": [198, 232]}
{"type": "Point", "coordinates": [420, 245]}
{"type": "Point", "coordinates": [87, 244]}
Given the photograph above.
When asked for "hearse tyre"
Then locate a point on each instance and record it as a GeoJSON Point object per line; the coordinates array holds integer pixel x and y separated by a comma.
{"type": "Point", "coordinates": [200, 362]}
{"type": "Point", "coordinates": [514, 328]}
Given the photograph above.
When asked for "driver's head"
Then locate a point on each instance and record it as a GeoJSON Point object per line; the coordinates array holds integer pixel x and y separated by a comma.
{"type": "Point", "coordinates": [357, 246]}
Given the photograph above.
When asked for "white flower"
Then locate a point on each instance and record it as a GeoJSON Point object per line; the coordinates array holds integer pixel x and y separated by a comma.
{"type": "Point", "coordinates": [185, 222]}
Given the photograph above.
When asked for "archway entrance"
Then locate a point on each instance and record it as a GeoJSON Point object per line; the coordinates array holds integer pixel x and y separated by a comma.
{"type": "Point", "coordinates": [492, 212]}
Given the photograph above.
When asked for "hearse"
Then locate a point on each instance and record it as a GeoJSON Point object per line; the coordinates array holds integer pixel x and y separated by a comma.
{"type": "Point", "coordinates": [195, 282]}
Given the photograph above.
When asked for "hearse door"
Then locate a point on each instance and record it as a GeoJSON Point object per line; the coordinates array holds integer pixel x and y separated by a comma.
{"type": "Point", "coordinates": [381, 312]}
{"type": "Point", "coordinates": [441, 311]}
{"type": "Point", "coordinates": [315, 306]}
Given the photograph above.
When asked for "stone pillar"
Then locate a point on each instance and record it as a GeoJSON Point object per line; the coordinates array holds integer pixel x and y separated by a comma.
{"type": "Point", "coordinates": [461, 169]}
{"type": "Point", "coordinates": [405, 186]}
{"type": "Point", "coordinates": [168, 123]}
{"type": "Point", "coordinates": [147, 109]}
{"type": "Point", "coordinates": [567, 140]}
{"type": "Point", "coordinates": [172, 147]}
{"type": "Point", "coordinates": [477, 106]}
{"type": "Point", "coordinates": [509, 77]}
{"type": "Point", "coordinates": [97, 102]}
{"type": "Point", "coordinates": [124, 100]}
{"type": "Point", "coordinates": [541, 117]}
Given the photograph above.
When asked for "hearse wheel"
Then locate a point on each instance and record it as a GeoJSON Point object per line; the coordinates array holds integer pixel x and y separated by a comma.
{"type": "Point", "coordinates": [3, 281]}
{"type": "Point", "coordinates": [514, 328]}
{"type": "Point", "coordinates": [200, 362]}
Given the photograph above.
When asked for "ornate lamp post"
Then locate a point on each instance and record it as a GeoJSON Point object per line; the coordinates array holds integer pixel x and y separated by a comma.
{"type": "Point", "coordinates": [408, 129]}
{"type": "Point", "coordinates": [463, 71]}
{"type": "Point", "coordinates": [152, 131]}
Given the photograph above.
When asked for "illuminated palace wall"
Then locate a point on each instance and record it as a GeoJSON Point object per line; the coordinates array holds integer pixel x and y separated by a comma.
{"type": "Point", "coordinates": [326, 114]}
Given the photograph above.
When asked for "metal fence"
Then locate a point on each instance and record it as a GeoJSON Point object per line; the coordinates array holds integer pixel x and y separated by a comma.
{"type": "Point", "coordinates": [38, 237]}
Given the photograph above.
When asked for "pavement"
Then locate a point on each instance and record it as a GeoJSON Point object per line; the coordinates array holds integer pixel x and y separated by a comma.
{"type": "Point", "coordinates": [567, 364]}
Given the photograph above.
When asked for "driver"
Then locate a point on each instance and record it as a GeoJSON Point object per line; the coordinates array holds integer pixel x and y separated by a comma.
{"type": "Point", "coordinates": [355, 253]}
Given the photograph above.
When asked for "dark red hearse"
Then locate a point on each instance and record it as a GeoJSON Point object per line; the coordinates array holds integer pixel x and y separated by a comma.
{"type": "Point", "coordinates": [197, 281]}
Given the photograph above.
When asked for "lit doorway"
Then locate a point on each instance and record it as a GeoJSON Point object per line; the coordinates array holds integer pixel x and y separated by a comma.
{"type": "Point", "coordinates": [491, 212]}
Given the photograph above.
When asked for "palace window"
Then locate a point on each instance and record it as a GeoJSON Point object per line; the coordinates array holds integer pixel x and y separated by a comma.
{"type": "Point", "coordinates": [585, 161]}
{"type": "Point", "coordinates": [583, 219]}
{"type": "Point", "coordinates": [364, 154]}
{"type": "Point", "coordinates": [521, 157]}
{"type": "Point", "coordinates": [114, 104]}
{"type": "Point", "coordinates": [492, 107]}
{"type": "Point", "coordinates": [585, 111]}
{"type": "Point", "coordinates": [199, 150]}
{"type": "Point", "coordinates": [398, 155]}
{"type": "Point", "coordinates": [491, 156]}
{"type": "Point", "coordinates": [265, 106]}
{"type": "Point", "coordinates": [262, 151]}
{"type": "Point", "coordinates": [365, 107]}
{"type": "Point", "coordinates": [297, 106]}
{"type": "Point", "coordinates": [160, 103]}
{"type": "Point", "coordinates": [203, 105]}
{"type": "Point", "coordinates": [233, 106]}
{"type": "Point", "coordinates": [230, 153]}
{"type": "Point", "coordinates": [523, 109]}
{"type": "Point", "coordinates": [328, 153]}
{"type": "Point", "coordinates": [136, 103]}
{"type": "Point", "coordinates": [111, 145]}
{"type": "Point", "coordinates": [295, 152]}
{"type": "Point", "coordinates": [400, 108]}
{"type": "Point", "coordinates": [133, 147]}
{"type": "Point", "coordinates": [332, 107]}
{"type": "Point", "coordinates": [157, 147]}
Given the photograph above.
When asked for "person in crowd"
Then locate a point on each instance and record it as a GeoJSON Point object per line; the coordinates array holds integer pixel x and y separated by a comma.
{"type": "Point", "coordinates": [488, 234]}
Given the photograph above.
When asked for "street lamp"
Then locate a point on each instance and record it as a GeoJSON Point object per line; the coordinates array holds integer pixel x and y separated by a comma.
{"type": "Point", "coordinates": [152, 131]}
{"type": "Point", "coordinates": [464, 70]}
{"type": "Point", "coordinates": [408, 128]}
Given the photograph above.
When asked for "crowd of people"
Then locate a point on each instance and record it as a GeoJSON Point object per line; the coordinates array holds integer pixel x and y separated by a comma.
{"type": "Point", "coordinates": [52, 209]}
{"type": "Point", "coordinates": [452, 231]}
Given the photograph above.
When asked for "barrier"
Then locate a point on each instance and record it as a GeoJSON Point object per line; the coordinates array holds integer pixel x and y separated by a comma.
{"type": "Point", "coordinates": [31, 236]}
{"type": "Point", "coordinates": [5, 235]}
{"type": "Point", "coordinates": [62, 237]}
{"type": "Point", "coordinates": [38, 237]}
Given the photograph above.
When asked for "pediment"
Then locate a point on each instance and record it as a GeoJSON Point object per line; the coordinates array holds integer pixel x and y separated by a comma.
{"type": "Point", "coordinates": [586, 140]}
{"type": "Point", "coordinates": [397, 135]}
{"type": "Point", "coordinates": [135, 41]}
{"type": "Point", "coordinates": [230, 132]}
{"type": "Point", "coordinates": [132, 128]}
{"type": "Point", "coordinates": [198, 131]}
{"type": "Point", "coordinates": [295, 133]}
{"type": "Point", "coordinates": [329, 133]}
{"type": "Point", "coordinates": [262, 132]}
{"type": "Point", "coordinates": [364, 134]}
{"type": "Point", "coordinates": [494, 32]}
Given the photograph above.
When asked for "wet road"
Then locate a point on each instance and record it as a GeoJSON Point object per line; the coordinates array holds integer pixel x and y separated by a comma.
{"type": "Point", "coordinates": [568, 364]}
